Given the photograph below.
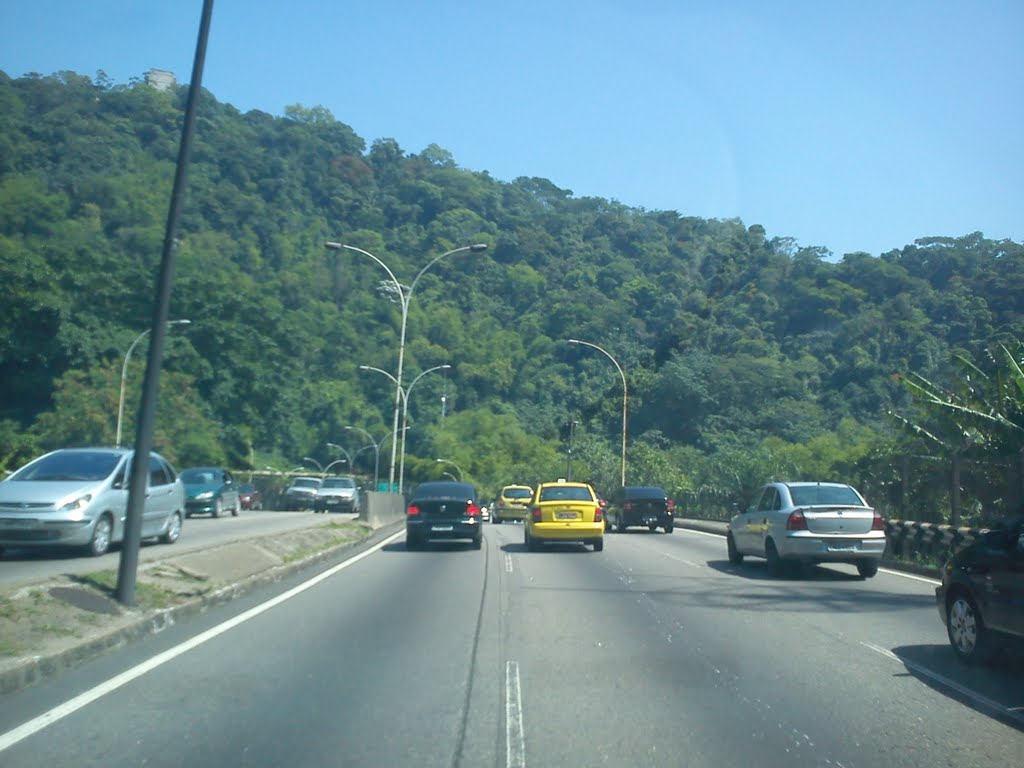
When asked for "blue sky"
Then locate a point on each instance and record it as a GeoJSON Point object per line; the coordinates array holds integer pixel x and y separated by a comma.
{"type": "Point", "coordinates": [856, 126]}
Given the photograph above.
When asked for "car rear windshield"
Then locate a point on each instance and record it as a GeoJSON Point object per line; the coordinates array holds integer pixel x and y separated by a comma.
{"type": "Point", "coordinates": [463, 491]}
{"type": "Point", "coordinates": [305, 482]}
{"type": "Point", "coordinates": [645, 492]}
{"type": "Point", "coordinates": [517, 493]}
{"type": "Point", "coordinates": [70, 466]}
{"type": "Point", "coordinates": [338, 482]}
{"type": "Point", "coordinates": [566, 493]}
{"type": "Point", "coordinates": [816, 495]}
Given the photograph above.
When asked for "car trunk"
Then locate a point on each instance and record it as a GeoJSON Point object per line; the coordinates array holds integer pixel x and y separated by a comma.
{"type": "Point", "coordinates": [441, 509]}
{"type": "Point", "coordinates": [567, 511]}
{"type": "Point", "coordinates": [839, 519]}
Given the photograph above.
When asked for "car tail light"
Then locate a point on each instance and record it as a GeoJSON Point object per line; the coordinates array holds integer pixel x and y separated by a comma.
{"type": "Point", "coordinates": [878, 523]}
{"type": "Point", "coordinates": [598, 514]}
{"type": "Point", "coordinates": [412, 510]}
{"type": "Point", "coordinates": [796, 521]}
{"type": "Point", "coordinates": [627, 506]}
{"type": "Point", "coordinates": [536, 514]}
{"type": "Point", "coordinates": [671, 506]}
{"type": "Point", "coordinates": [472, 509]}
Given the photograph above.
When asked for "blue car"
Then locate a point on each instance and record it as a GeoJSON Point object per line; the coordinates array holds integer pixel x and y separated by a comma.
{"type": "Point", "coordinates": [210, 491]}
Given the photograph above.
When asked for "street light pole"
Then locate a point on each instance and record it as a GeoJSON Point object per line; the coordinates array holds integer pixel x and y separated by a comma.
{"type": "Point", "coordinates": [124, 377]}
{"type": "Point", "coordinates": [404, 296]}
{"type": "Point", "coordinates": [376, 454]}
{"type": "Point", "coordinates": [319, 466]}
{"type": "Point", "coordinates": [347, 454]}
{"type": "Point", "coordinates": [625, 397]}
{"type": "Point", "coordinates": [449, 461]}
{"type": "Point", "coordinates": [336, 461]}
{"type": "Point", "coordinates": [405, 411]}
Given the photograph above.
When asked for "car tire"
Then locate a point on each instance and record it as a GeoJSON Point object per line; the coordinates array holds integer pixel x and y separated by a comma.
{"type": "Point", "coordinates": [735, 556]}
{"type": "Point", "coordinates": [669, 527]}
{"type": "Point", "coordinates": [413, 542]}
{"type": "Point", "coordinates": [531, 545]}
{"type": "Point", "coordinates": [218, 508]}
{"type": "Point", "coordinates": [599, 545]}
{"type": "Point", "coordinates": [478, 542]}
{"type": "Point", "coordinates": [495, 519]}
{"type": "Point", "coordinates": [620, 526]}
{"type": "Point", "coordinates": [652, 527]}
{"type": "Point", "coordinates": [775, 563]}
{"type": "Point", "coordinates": [173, 530]}
{"type": "Point", "coordinates": [236, 509]}
{"type": "Point", "coordinates": [966, 630]}
{"type": "Point", "coordinates": [867, 568]}
{"type": "Point", "coordinates": [99, 542]}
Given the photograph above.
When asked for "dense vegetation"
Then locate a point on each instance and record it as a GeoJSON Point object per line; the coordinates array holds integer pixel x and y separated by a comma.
{"type": "Point", "coordinates": [747, 356]}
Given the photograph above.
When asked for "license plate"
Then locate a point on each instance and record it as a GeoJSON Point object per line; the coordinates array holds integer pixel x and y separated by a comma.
{"type": "Point", "coordinates": [842, 546]}
{"type": "Point", "coordinates": [565, 515]}
{"type": "Point", "coordinates": [442, 528]}
{"type": "Point", "coordinates": [18, 523]}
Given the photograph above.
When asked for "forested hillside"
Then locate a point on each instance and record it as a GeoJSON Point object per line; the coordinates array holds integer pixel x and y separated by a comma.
{"type": "Point", "coordinates": [746, 354]}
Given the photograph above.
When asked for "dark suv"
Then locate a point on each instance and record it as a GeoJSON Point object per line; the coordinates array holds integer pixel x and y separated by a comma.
{"type": "Point", "coordinates": [981, 600]}
{"type": "Point", "coordinates": [646, 505]}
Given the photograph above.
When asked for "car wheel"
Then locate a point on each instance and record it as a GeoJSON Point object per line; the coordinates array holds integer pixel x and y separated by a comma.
{"type": "Point", "coordinates": [218, 508]}
{"type": "Point", "coordinates": [412, 541]}
{"type": "Point", "coordinates": [669, 528]}
{"type": "Point", "coordinates": [620, 526]}
{"type": "Point", "coordinates": [173, 530]}
{"type": "Point", "coordinates": [495, 519]}
{"type": "Point", "coordinates": [531, 545]}
{"type": "Point", "coordinates": [478, 542]}
{"type": "Point", "coordinates": [100, 541]}
{"type": "Point", "coordinates": [966, 630]}
{"type": "Point", "coordinates": [867, 568]}
{"type": "Point", "coordinates": [599, 545]}
{"type": "Point", "coordinates": [775, 564]}
{"type": "Point", "coordinates": [735, 556]}
{"type": "Point", "coordinates": [236, 509]}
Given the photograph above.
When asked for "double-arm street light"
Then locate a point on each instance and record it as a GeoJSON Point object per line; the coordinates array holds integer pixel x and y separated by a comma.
{"type": "Point", "coordinates": [404, 394]}
{"type": "Point", "coordinates": [449, 461]}
{"type": "Point", "coordinates": [124, 376]}
{"type": "Point", "coordinates": [347, 454]}
{"type": "Point", "coordinates": [336, 461]}
{"type": "Point", "coordinates": [376, 453]}
{"type": "Point", "coordinates": [319, 466]}
{"type": "Point", "coordinates": [625, 397]}
{"type": "Point", "coordinates": [405, 295]}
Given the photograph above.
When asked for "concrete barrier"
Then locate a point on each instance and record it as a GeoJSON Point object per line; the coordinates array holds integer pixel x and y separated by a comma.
{"type": "Point", "coordinates": [381, 509]}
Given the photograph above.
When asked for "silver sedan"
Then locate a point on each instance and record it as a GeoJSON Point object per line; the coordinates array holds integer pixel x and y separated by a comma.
{"type": "Point", "coordinates": [797, 523]}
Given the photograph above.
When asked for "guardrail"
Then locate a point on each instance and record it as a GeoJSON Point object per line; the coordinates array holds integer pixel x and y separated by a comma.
{"type": "Point", "coordinates": [909, 540]}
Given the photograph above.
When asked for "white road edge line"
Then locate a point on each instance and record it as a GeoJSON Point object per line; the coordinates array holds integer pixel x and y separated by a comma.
{"type": "Point", "coordinates": [983, 701]}
{"type": "Point", "coordinates": [515, 743]}
{"type": "Point", "coordinates": [22, 732]}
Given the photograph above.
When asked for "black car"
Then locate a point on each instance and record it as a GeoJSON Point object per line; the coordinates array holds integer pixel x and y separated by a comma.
{"type": "Point", "coordinates": [646, 505]}
{"type": "Point", "coordinates": [443, 510]}
{"type": "Point", "coordinates": [981, 600]}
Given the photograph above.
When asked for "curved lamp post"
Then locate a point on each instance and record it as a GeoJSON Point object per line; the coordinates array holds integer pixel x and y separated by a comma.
{"type": "Point", "coordinates": [319, 466]}
{"type": "Point", "coordinates": [449, 461]}
{"type": "Point", "coordinates": [347, 454]}
{"type": "Point", "coordinates": [625, 397]}
{"type": "Point", "coordinates": [336, 461]}
{"type": "Point", "coordinates": [405, 408]}
{"type": "Point", "coordinates": [124, 376]}
{"type": "Point", "coordinates": [405, 295]}
{"type": "Point", "coordinates": [376, 454]}
{"type": "Point", "coordinates": [453, 477]}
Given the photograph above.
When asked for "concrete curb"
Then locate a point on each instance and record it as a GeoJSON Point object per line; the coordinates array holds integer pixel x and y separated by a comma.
{"type": "Point", "coordinates": [29, 671]}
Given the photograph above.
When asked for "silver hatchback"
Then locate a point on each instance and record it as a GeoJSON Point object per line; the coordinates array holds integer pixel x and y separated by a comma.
{"type": "Point", "coordinates": [796, 523]}
{"type": "Point", "coordinates": [79, 497]}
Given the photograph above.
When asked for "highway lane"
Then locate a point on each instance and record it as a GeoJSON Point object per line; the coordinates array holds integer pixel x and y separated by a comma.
{"type": "Point", "coordinates": [654, 652]}
{"type": "Point", "coordinates": [19, 566]}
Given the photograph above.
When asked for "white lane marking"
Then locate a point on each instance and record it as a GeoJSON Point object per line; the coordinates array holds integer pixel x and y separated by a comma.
{"type": "Point", "coordinates": [701, 533]}
{"type": "Point", "coordinates": [23, 731]}
{"type": "Point", "coordinates": [515, 743]}
{"type": "Point", "coordinates": [983, 701]}
{"type": "Point", "coordinates": [680, 560]}
{"type": "Point", "coordinates": [508, 563]}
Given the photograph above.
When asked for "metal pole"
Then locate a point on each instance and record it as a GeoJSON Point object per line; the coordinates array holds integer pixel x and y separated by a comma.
{"type": "Point", "coordinates": [124, 377]}
{"type": "Point", "coordinates": [128, 566]}
{"type": "Point", "coordinates": [625, 397]}
{"type": "Point", "coordinates": [405, 421]}
{"type": "Point", "coordinates": [376, 452]}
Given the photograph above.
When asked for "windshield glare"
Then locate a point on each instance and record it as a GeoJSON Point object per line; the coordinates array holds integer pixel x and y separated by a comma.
{"type": "Point", "coordinates": [70, 466]}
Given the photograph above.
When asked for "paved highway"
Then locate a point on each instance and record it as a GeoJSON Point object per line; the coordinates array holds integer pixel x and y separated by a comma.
{"type": "Point", "coordinates": [18, 566]}
{"type": "Point", "coordinates": [656, 652]}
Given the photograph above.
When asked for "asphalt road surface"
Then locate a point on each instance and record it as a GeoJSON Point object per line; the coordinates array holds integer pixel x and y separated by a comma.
{"type": "Point", "coordinates": [655, 652]}
{"type": "Point", "coordinates": [29, 564]}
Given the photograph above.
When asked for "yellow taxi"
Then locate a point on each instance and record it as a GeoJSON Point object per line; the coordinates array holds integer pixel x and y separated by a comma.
{"type": "Point", "coordinates": [565, 512]}
{"type": "Point", "coordinates": [513, 503]}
